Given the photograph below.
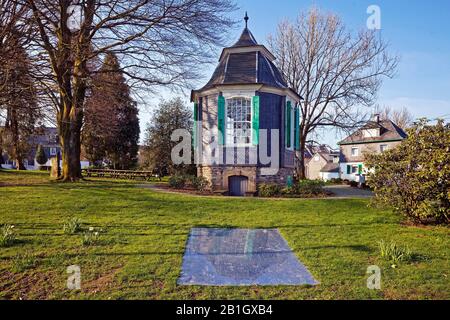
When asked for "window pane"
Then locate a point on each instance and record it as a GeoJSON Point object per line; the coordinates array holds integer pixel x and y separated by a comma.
{"type": "Point", "coordinates": [239, 120]}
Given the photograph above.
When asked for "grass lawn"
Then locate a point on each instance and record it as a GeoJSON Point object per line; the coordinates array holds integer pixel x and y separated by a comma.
{"type": "Point", "coordinates": [140, 250]}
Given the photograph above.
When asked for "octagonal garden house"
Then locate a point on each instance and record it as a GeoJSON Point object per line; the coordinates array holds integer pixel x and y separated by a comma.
{"type": "Point", "coordinates": [245, 115]}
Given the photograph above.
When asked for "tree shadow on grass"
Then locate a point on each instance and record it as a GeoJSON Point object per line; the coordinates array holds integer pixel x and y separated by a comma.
{"type": "Point", "coordinates": [356, 247]}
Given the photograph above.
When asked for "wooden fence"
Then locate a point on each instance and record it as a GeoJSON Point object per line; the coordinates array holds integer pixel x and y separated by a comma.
{"type": "Point", "coordinates": [118, 174]}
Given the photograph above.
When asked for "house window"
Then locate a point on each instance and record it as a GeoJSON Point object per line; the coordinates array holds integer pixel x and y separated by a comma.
{"type": "Point", "coordinates": [317, 158]}
{"type": "Point", "coordinates": [355, 152]}
{"type": "Point", "coordinates": [383, 147]}
{"type": "Point", "coordinates": [53, 151]}
{"type": "Point", "coordinates": [354, 169]}
{"type": "Point", "coordinates": [239, 121]}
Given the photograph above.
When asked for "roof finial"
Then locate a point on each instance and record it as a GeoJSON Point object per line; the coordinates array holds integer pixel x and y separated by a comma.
{"type": "Point", "coordinates": [246, 19]}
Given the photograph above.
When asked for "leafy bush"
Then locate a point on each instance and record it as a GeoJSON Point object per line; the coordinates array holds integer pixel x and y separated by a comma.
{"type": "Point", "coordinates": [267, 190]}
{"type": "Point", "coordinates": [177, 181]}
{"type": "Point", "coordinates": [90, 237]}
{"type": "Point", "coordinates": [309, 187]}
{"type": "Point", "coordinates": [394, 253]}
{"type": "Point", "coordinates": [41, 157]}
{"type": "Point", "coordinates": [353, 184]}
{"type": "Point", "coordinates": [72, 226]}
{"type": "Point", "coordinates": [200, 183]}
{"type": "Point", "coordinates": [305, 188]}
{"type": "Point", "coordinates": [7, 235]}
{"type": "Point", "coordinates": [336, 180]}
{"type": "Point", "coordinates": [414, 178]}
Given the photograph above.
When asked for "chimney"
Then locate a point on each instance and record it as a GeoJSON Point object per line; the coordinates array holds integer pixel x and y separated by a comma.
{"type": "Point", "coordinates": [376, 118]}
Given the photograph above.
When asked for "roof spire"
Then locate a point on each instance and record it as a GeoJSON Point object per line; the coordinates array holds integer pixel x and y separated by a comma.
{"type": "Point", "coordinates": [246, 19]}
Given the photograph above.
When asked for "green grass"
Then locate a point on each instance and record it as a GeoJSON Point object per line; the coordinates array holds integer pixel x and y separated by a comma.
{"type": "Point", "coordinates": [139, 251]}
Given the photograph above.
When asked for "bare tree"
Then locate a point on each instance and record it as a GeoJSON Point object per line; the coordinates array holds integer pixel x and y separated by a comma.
{"type": "Point", "coordinates": [158, 42]}
{"type": "Point", "coordinates": [19, 111]}
{"type": "Point", "coordinates": [335, 72]}
{"type": "Point", "coordinates": [401, 117]}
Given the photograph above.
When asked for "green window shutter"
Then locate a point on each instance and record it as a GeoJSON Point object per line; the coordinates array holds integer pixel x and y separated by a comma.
{"type": "Point", "coordinates": [221, 119]}
{"type": "Point", "coordinates": [349, 169]}
{"type": "Point", "coordinates": [195, 130]}
{"type": "Point", "coordinates": [287, 125]}
{"type": "Point", "coordinates": [297, 128]}
{"type": "Point", "coordinates": [360, 168]}
{"type": "Point", "coordinates": [255, 121]}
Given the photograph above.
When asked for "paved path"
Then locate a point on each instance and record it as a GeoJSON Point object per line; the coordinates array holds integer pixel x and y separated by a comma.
{"type": "Point", "coordinates": [344, 191]}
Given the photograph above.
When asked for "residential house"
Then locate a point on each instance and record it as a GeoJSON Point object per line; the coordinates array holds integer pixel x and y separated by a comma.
{"type": "Point", "coordinates": [48, 138]}
{"type": "Point", "coordinates": [245, 98]}
{"type": "Point", "coordinates": [374, 137]}
{"type": "Point", "coordinates": [321, 162]}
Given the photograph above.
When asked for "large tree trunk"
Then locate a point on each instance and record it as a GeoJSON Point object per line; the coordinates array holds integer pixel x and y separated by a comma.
{"type": "Point", "coordinates": [301, 172]}
{"type": "Point", "coordinates": [70, 138]}
{"type": "Point", "coordinates": [70, 145]}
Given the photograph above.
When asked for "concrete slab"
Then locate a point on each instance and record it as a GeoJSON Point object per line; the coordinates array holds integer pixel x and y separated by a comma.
{"type": "Point", "coordinates": [239, 257]}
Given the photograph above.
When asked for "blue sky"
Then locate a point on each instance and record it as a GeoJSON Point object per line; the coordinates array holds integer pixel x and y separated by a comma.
{"type": "Point", "coordinates": [418, 31]}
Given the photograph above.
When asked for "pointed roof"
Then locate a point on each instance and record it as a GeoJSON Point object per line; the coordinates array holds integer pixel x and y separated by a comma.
{"type": "Point", "coordinates": [245, 40]}
{"type": "Point", "coordinates": [247, 62]}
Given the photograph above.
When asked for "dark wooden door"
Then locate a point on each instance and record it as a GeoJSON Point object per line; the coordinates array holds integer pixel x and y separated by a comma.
{"type": "Point", "coordinates": [237, 186]}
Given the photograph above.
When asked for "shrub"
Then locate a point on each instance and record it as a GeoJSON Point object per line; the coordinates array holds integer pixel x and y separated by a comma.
{"type": "Point", "coordinates": [90, 237]}
{"type": "Point", "coordinates": [336, 180]}
{"type": "Point", "coordinates": [414, 178]}
{"type": "Point", "coordinates": [7, 235]}
{"type": "Point", "coordinates": [200, 183]}
{"type": "Point", "coordinates": [41, 157]}
{"type": "Point", "coordinates": [269, 190]}
{"type": "Point", "coordinates": [394, 253]}
{"type": "Point", "coordinates": [72, 226]}
{"type": "Point", "coordinates": [301, 188]}
{"type": "Point", "coordinates": [353, 184]}
{"type": "Point", "coordinates": [177, 181]}
{"type": "Point", "coordinates": [309, 187]}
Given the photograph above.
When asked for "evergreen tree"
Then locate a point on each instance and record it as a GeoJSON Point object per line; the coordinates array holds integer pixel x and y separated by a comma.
{"type": "Point", "coordinates": [111, 129]}
{"type": "Point", "coordinates": [41, 157]}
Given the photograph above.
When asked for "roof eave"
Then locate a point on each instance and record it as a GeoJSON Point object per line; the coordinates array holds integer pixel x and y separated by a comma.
{"type": "Point", "coordinates": [258, 47]}
{"type": "Point", "coordinates": [370, 141]}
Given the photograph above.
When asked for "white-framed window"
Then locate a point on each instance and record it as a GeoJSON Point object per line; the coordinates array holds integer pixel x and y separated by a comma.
{"type": "Point", "coordinates": [53, 151]}
{"type": "Point", "coordinates": [316, 158]}
{"type": "Point", "coordinates": [239, 121]}
{"type": "Point", "coordinates": [355, 169]}
{"type": "Point", "coordinates": [383, 147]}
{"type": "Point", "coordinates": [355, 152]}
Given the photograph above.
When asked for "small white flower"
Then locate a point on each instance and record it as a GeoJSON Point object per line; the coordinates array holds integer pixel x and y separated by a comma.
{"type": "Point", "coordinates": [91, 228]}
{"type": "Point", "coordinates": [12, 226]}
{"type": "Point", "coordinates": [96, 233]}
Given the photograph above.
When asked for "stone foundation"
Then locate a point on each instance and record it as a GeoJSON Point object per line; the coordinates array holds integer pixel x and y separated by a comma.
{"type": "Point", "coordinates": [218, 176]}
